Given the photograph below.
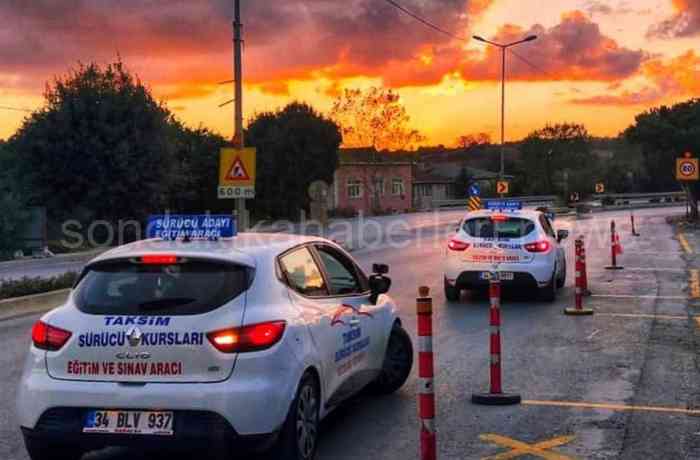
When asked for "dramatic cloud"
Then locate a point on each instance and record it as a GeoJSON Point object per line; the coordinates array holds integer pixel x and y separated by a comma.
{"type": "Point", "coordinates": [575, 49]}
{"type": "Point", "coordinates": [685, 23]}
{"type": "Point", "coordinates": [668, 80]}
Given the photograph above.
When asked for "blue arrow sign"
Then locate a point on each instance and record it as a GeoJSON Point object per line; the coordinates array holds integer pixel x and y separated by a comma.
{"type": "Point", "coordinates": [474, 190]}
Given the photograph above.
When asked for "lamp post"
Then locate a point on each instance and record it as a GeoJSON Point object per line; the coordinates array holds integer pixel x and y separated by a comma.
{"type": "Point", "coordinates": [503, 48]}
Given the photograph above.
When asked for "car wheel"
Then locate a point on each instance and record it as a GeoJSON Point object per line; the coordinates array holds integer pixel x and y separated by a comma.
{"type": "Point", "coordinates": [299, 434]}
{"type": "Point", "coordinates": [549, 292]}
{"type": "Point", "coordinates": [398, 362]}
{"type": "Point", "coordinates": [452, 293]}
{"type": "Point", "coordinates": [39, 449]}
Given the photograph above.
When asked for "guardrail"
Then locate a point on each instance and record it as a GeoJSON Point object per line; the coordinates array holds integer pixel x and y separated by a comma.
{"type": "Point", "coordinates": [544, 200]}
{"type": "Point", "coordinates": [622, 198]}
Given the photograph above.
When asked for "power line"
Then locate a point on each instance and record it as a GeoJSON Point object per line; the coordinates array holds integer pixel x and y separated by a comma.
{"type": "Point", "coordinates": [425, 21]}
{"type": "Point", "coordinates": [526, 61]}
{"type": "Point", "coordinates": [16, 109]}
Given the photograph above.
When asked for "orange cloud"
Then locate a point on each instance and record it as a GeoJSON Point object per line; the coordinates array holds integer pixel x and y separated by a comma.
{"type": "Point", "coordinates": [685, 23]}
{"type": "Point", "coordinates": [669, 79]}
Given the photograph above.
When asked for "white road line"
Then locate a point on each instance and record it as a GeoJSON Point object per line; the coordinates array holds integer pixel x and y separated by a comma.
{"type": "Point", "coordinates": [646, 269]}
{"type": "Point", "coordinates": [593, 334]}
{"type": "Point", "coordinates": [624, 296]}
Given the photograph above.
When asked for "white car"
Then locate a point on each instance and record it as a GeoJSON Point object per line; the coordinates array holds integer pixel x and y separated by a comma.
{"type": "Point", "coordinates": [235, 344]}
{"type": "Point", "coordinates": [521, 245]}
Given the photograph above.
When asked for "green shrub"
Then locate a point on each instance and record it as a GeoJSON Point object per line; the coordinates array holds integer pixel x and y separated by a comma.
{"type": "Point", "coordinates": [27, 286]}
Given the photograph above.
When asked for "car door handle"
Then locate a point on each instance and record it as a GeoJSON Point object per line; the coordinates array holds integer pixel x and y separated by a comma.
{"type": "Point", "coordinates": [354, 322]}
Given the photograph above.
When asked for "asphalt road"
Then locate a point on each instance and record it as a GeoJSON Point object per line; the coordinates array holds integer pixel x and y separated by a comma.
{"type": "Point", "coordinates": [648, 358]}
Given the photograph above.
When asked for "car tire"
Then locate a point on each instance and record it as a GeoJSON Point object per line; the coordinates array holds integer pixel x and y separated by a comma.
{"type": "Point", "coordinates": [39, 449]}
{"type": "Point", "coordinates": [562, 280]}
{"type": "Point", "coordinates": [452, 293]}
{"type": "Point", "coordinates": [549, 292]}
{"type": "Point", "coordinates": [299, 434]}
{"type": "Point", "coordinates": [398, 362]}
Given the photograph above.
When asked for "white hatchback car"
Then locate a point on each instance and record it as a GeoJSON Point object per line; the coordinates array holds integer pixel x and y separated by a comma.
{"type": "Point", "coordinates": [521, 245]}
{"type": "Point", "coordinates": [238, 344]}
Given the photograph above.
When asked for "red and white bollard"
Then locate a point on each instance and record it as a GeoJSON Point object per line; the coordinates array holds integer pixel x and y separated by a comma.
{"type": "Point", "coordinates": [584, 271]}
{"type": "Point", "coordinates": [426, 393]}
{"type": "Point", "coordinates": [495, 396]}
{"type": "Point", "coordinates": [578, 309]}
{"type": "Point", "coordinates": [615, 248]}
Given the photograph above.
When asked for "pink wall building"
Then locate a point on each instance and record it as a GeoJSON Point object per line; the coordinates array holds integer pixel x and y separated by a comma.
{"type": "Point", "coordinates": [365, 186]}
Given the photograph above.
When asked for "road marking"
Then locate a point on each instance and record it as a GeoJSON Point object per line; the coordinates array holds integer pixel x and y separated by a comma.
{"type": "Point", "coordinates": [615, 407]}
{"type": "Point", "coordinates": [694, 284]}
{"type": "Point", "coordinates": [520, 449]}
{"type": "Point", "coordinates": [593, 334]}
{"type": "Point", "coordinates": [645, 269]}
{"type": "Point", "coordinates": [684, 244]}
{"type": "Point", "coordinates": [644, 315]}
{"type": "Point", "coordinates": [625, 296]}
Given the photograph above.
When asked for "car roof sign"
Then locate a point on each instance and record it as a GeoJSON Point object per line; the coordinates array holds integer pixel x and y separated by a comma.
{"type": "Point", "coordinates": [504, 205]}
{"type": "Point", "coordinates": [191, 227]}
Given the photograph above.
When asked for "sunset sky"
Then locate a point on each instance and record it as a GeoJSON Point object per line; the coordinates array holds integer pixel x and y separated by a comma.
{"type": "Point", "coordinates": [596, 62]}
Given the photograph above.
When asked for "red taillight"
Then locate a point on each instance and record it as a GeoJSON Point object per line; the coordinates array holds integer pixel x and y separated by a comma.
{"type": "Point", "coordinates": [538, 246]}
{"type": "Point", "coordinates": [255, 337]}
{"type": "Point", "coordinates": [499, 218]}
{"type": "Point", "coordinates": [456, 245]}
{"type": "Point", "coordinates": [46, 337]}
{"type": "Point", "coordinates": [159, 259]}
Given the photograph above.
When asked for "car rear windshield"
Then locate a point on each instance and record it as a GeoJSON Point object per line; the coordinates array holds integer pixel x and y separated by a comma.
{"type": "Point", "coordinates": [188, 288]}
{"type": "Point", "coordinates": [510, 227]}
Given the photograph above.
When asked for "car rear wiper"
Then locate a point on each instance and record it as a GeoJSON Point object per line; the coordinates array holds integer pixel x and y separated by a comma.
{"type": "Point", "coordinates": [164, 303]}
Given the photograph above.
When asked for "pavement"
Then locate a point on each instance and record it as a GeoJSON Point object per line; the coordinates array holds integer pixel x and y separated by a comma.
{"type": "Point", "coordinates": [621, 384]}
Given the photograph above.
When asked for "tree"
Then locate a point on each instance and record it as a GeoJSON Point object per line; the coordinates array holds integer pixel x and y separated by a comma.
{"type": "Point", "coordinates": [13, 212]}
{"type": "Point", "coordinates": [470, 140]}
{"type": "Point", "coordinates": [99, 149]}
{"type": "Point", "coordinates": [296, 146]}
{"type": "Point", "coordinates": [377, 119]}
{"type": "Point", "coordinates": [664, 134]}
{"type": "Point", "coordinates": [562, 147]}
{"type": "Point", "coordinates": [374, 118]}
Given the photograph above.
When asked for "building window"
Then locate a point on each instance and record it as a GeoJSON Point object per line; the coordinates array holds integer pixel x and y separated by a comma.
{"type": "Point", "coordinates": [354, 189]}
{"type": "Point", "coordinates": [397, 187]}
{"type": "Point", "coordinates": [379, 186]}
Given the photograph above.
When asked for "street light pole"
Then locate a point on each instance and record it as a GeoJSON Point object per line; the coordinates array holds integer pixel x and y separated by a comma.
{"type": "Point", "coordinates": [504, 48]}
{"type": "Point", "coordinates": [238, 141]}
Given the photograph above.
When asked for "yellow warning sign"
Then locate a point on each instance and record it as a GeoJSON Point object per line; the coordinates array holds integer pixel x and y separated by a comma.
{"type": "Point", "coordinates": [237, 173]}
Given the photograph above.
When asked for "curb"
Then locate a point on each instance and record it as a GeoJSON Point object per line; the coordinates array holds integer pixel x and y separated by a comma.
{"type": "Point", "coordinates": [37, 303]}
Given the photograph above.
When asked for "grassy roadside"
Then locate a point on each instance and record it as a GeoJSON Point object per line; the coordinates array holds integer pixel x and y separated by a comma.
{"type": "Point", "coordinates": [26, 286]}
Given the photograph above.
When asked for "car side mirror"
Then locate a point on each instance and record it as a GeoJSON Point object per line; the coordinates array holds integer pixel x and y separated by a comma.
{"type": "Point", "coordinates": [378, 283]}
{"type": "Point", "coordinates": [562, 235]}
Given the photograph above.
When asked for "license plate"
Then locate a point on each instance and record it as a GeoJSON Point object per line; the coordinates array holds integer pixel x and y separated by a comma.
{"type": "Point", "coordinates": [503, 276]}
{"type": "Point", "coordinates": [129, 422]}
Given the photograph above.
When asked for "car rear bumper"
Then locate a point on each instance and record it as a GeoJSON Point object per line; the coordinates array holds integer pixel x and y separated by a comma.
{"type": "Point", "coordinates": [472, 280]}
{"type": "Point", "coordinates": [192, 430]}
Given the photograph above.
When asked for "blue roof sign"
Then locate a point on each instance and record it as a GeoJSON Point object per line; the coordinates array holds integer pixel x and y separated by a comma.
{"type": "Point", "coordinates": [195, 227]}
{"type": "Point", "coordinates": [504, 205]}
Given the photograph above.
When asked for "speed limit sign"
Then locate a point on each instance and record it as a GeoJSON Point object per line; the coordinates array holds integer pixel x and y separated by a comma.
{"type": "Point", "coordinates": [687, 168]}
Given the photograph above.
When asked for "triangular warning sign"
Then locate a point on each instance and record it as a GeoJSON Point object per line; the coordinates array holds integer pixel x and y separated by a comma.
{"type": "Point", "coordinates": [237, 171]}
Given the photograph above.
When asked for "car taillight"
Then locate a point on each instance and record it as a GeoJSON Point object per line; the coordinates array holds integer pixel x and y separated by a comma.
{"type": "Point", "coordinates": [538, 246]}
{"type": "Point", "coordinates": [255, 337]}
{"type": "Point", "coordinates": [50, 338]}
{"type": "Point", "coordinates": [499, 218]}
{"type": "Point", "coordinates": [456, 245]}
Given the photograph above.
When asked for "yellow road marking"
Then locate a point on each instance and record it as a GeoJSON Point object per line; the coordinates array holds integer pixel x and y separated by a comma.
{"type": "Point", "coordinates": [642, 315]}
{"type": "Point", "coordinates": [684, 244]}
{"type": "Point", "coordinates": [694, 284]}
{"type": "Point", "coordinates": [616, 407]}
{"type": "Point", "coordinates": [519, 448]}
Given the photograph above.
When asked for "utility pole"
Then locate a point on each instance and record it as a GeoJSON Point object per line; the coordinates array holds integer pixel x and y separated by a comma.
{"type": "Point", "coordinates": [238, 141]}
{"type": "Point", "coordinates": [504, 48]}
